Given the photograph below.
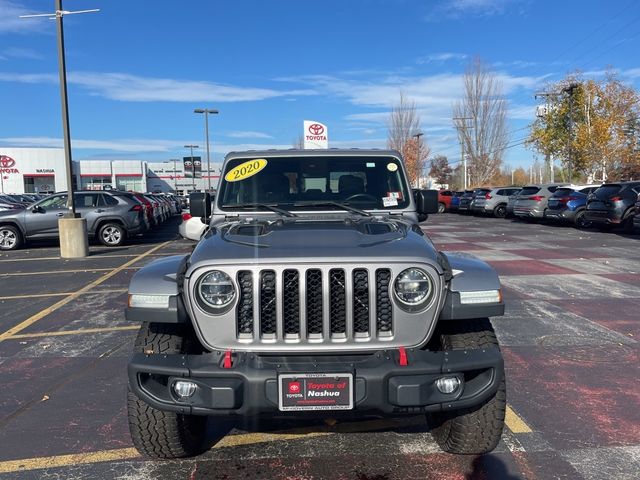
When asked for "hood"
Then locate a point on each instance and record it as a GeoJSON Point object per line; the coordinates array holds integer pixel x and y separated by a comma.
{"type": "Point", "coordinates": [334, 240]}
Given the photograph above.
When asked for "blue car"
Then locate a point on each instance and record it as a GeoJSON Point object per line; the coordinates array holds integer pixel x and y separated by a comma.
{"type": "Point", "coordinates": [455, 201]}
{"type": "Point", "coordinates": [568, 205]}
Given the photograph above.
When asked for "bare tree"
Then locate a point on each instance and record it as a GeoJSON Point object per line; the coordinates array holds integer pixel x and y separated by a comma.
{"type": "Point", "coordinates": [481, 120]}
{"type": "Point", "coordinates": [403, 125]}
{"type": "Point", "coordinates": [298, 142]}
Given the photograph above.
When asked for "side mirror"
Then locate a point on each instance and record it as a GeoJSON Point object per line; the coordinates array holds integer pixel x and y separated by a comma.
{"type": "Point", "coordinates": [200, 205]}
{"type": "Point", "coordinates": [426, 201]}
{"type": "Point", "coordinates": [37, 209]}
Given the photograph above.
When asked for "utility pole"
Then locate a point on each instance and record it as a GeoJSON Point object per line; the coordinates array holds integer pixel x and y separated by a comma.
{"type": "Point", "coordinates": [193, 177]}
{"type": "Point", "coordinates": [570, 89]}
{"type": "Point", "coordinates": [73, 229]}
{"type": "Point", "coordinates": [462, 125]}
{"type": "Point", "coordinates": [417, 137]}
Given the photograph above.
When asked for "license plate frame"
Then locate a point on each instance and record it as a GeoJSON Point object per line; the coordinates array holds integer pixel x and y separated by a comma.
{"type": "Point", "coordinates": [332, 391]}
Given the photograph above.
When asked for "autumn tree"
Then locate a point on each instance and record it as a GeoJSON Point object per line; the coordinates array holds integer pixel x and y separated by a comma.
{"type": "Point", "coordinates": [403, 127]}
{"type": "Point", "coordinates": [481, 121]}
{"type": "Point", "coordinates": [440, 169]}
{"type": "Point", "coordinates": [590, 125]}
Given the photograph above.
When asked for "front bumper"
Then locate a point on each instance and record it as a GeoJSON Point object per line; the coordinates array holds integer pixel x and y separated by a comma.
{"type": "Point", "coordinates": [381, 384]}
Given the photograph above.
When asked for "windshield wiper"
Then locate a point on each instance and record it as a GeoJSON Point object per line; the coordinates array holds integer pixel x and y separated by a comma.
{"type": "Point", "coordinates": [263, 206]}
{"type": "Point", "coordinates": [344, 206]}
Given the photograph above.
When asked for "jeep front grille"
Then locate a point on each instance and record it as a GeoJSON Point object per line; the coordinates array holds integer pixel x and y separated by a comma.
{"type": "Point", "coordinates": [337, 304]}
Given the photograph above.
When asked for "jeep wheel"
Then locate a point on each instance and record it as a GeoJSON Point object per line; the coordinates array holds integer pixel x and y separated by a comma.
{"type": "Point", "coordinates": [441, 207]}
{"type": "Point", "coordinates": [10, 238]}
{"type": "Point", "coordinates": [500, 211]}
{"type": "Point", "coordinates": [156, 433]}
{"type": "Point", "coordinates": [477, 430]}
{"type": "Point", "coordinates": [111, 234]}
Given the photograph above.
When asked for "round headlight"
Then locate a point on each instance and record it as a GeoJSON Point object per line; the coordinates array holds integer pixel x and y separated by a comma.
{"type": "Point", "coordinates": [413, 286]}
{"type": "Point", "coordinates": [216, 289]}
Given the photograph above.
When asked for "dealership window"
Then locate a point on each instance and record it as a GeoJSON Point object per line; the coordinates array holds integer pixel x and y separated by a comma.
{"type": "Point", "coordinates": [130, 184]}
{"type": "Point", "coordinates": [35, 184]}
{"type": "Point", "coordinates": [97, 182]}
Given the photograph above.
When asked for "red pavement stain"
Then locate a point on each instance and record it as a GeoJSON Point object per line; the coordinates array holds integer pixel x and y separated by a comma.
{"type": "Point", "coordinates": [549, 253]}
{"type": "Point", "coordinates": [632, 278]}
{"type": "Point", "coordinates": [511, 294]}
{"type": "Point", "coordinates": [527, 267]}
{"type": "Point", "coordinates": [577, 396]}
{"type": "Point", "coordinates": [620, 315]}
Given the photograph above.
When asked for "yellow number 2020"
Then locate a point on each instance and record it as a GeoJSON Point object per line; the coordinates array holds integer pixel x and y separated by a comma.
{"type": "Point", "coordinates": [245, 170]}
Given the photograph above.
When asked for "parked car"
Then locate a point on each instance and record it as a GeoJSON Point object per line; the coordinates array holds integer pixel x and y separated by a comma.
{"type": "Point", "coordinates": [636, 217]}
{"type": "Point", "coordinates": [532, 200]}
{"type": "Point", "coordinates": [478, 194]}
{"type": "Point", "coordinates": [613, 204]}
{"type": "Point", "coordinates": [465, 201]}
{"type": "Point", "coordinates": [494, 202]}
{"type": "Point", "coordinates": [444, 200]}
{"type": "Point", "coordinates": [568, 204]}
{"type": "Point", "coordinates": [455, 201]}
{"type": "Point", "coordinates": [111, 218]}
{"type": "Point", "coordinates": [191, 228]}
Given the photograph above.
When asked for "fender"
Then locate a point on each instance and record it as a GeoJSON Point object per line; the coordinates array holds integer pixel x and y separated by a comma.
{"type": "Point", "coordinates": [470, 274]}
{"type": "Point", "coordinates": [161, 277]}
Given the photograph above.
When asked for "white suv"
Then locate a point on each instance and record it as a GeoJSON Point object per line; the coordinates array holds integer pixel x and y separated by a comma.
{"type": "Point", "coordinates": [495, 202]}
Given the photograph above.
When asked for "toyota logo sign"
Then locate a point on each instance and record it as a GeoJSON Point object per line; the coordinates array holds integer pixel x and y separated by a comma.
{"type": "Point", "coordinates": [316, 129]}
{"type": "Point", "coordinates": [6, 161]}
{"type": "Point", "coordinates": [7, 164]}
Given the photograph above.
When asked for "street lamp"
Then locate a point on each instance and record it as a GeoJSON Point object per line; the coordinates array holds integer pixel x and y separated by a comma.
{"type": "Point", "coordinates": [73, 230]}
{"type": "Point", "coordinates": [193, 172]}
{"type": "Point", "coordinates": [206, 112]}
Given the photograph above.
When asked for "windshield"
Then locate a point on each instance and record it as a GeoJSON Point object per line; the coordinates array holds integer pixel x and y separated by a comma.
{"type": "Point", "coordinates": [297, 183]}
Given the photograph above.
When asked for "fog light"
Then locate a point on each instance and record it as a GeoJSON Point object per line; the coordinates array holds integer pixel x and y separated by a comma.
{"type": "Point", "coordinates": [448, 384]}
{"type": "Point", "coordinates": [184, 389]}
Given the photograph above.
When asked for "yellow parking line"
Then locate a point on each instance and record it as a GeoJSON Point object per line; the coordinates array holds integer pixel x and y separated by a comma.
{"type": "Point", "coordinates": [229, 441]}
{"type": "Point", "coordinates": [92, 257]}
{"type": "Point", "coordinates": [66, 460]}
{"type": "Point", "coordinates": [514, 422]}
{"type": "Point", "coordinates": [85, 270]}
{"type": "Point", "coordinates": [43, 313]}
{"type": "Point", "coordinates": [74, 332]}
{"type": "Point", "coordinates": [44, 295]}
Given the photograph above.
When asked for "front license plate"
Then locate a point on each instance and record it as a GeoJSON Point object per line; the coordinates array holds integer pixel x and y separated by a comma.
{"type": "Point", "coordinates": [315, 391]}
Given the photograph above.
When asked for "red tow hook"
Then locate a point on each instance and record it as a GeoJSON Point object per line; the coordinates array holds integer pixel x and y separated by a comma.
{"type": "Point", "coordinates": [227, 363]}
{"type": "Point", "coordinates": [403, 361]}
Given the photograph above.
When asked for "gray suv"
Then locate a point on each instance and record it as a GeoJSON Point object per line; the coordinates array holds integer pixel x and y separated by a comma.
{"type": "Point", "coordinates": [532, 200]}
{"type": "Point", "coordinates": [495, 201]}
{"type": "Point", "coordinates": [111, 217]}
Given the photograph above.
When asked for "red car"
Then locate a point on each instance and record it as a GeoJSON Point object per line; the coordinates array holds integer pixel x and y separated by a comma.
{"type": "Point", "coordinates": [444, 200]}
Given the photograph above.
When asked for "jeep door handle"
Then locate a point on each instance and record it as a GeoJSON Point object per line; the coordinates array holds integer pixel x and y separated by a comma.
{"type": "Point", "coordinates": [99, 210]}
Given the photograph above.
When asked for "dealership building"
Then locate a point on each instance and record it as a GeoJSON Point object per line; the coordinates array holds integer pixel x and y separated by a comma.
{"type": "Point", "coordinates": [43, 170]}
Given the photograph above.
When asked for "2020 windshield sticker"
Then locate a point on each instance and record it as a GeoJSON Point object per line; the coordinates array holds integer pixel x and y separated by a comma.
{"type": "Point", "coordinates": [245, 170]}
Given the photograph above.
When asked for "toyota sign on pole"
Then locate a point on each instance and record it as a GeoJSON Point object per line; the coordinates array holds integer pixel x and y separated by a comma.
{"type": "Point", "coordinates": [315, 135]}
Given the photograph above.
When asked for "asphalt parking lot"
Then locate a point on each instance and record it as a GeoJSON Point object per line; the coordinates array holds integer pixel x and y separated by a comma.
{"type": "Point", "coordinates": [569, 337]}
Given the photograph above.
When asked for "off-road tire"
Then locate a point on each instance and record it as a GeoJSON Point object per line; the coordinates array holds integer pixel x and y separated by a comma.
{"type": "Point", "coordinates": [500, 211]}
{"type": "Point", "coordinates": [156, 433]}
{"type": "Point", "coordinates": [441, 207]}
{"type": "Point", "coordinates": [10, 237]}
{"type": "Point", "coordinates": [470, 431]}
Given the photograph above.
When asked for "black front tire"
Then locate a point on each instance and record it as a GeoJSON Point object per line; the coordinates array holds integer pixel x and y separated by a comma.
{"type": "Point", "coordinates": [156, 433]}
{"type": "Point", "coordinates": [500, 211]}
{"type": "Point", "coordinates": [581, 221]}
{"type": "Point", "coordinates": [470, 431]}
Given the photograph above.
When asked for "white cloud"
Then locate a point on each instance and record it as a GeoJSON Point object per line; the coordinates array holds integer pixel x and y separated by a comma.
{"type": "Point", "coordinates": [133, 88]}
{"type": "Point", "coordinates": [27, 53]}
{"type": "Point", "coordinates": [10, 12]}
{"type": "Point", "coordinates": [442, 57]}
{"type": "Point", "coordinates": [247, 134]}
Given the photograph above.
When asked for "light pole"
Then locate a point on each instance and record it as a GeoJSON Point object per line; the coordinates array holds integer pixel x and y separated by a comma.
{"type": "Point", "coordinates": [175, 179]}
{"type": "Point", "coordinates": [193, 171]}
{"type": "Point", "coordinates": [417, 137]}
{"type": "Point", "coordinates": [206, 112]}
{"type": "Point", "coordinates": [73, 230]}
{"type": "Point", "coordinates": [462, 125]}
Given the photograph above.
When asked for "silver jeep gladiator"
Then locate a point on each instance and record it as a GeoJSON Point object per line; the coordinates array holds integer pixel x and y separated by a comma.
{"type": "Point", "coordinates": [315, 293]}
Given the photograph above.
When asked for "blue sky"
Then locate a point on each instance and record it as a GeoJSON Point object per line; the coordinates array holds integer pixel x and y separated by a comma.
{"type": "Point", "coordinates": [138, 68]}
